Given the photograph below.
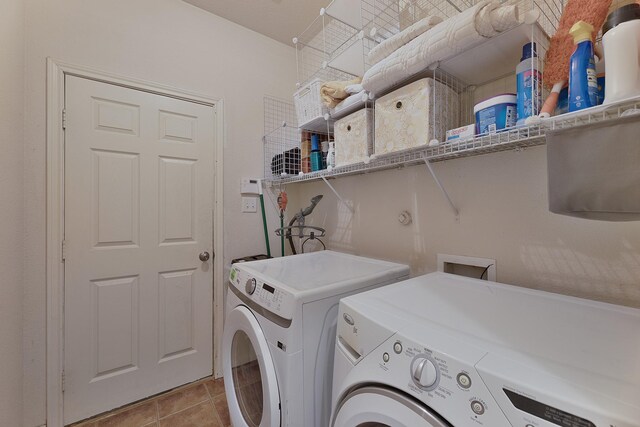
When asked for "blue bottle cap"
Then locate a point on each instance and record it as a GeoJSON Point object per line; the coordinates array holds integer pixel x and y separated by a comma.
{"type": "Point", "coordinates": [315, 142]}
{"type": "Point", "coordinates": [527, 51]}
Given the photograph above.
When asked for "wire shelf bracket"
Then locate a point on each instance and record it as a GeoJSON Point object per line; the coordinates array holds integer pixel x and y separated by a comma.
{"type": "Point", "coordinates": [455, 210]}
{"type": "Point", "coordinates": [338, 195]}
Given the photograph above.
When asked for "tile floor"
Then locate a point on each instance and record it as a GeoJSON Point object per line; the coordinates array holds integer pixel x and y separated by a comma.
{"type": "Point", "coordinates": [199, 404]}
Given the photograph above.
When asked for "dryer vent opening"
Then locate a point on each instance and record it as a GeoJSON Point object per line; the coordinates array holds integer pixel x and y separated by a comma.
{"type": "Point", "coordinates": [477, 268]}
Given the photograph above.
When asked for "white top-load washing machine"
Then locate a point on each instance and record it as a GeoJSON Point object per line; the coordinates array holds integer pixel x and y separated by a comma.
{"type": "Point", "coordinates": [442, 350]}
{"type": "Point", "coordinates": [280, 329]}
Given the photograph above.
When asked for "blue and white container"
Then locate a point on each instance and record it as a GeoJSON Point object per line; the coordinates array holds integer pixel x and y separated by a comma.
{"type": "Point", "coordinates": [497, 113]}
{"type": "Point", "coordinates": [583, 80]}
{"type": "Point", "coordinates": [529, 83]}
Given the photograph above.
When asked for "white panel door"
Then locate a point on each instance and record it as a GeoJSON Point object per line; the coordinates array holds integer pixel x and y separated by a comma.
{"type": "Point", "coordinates": [139, 171]}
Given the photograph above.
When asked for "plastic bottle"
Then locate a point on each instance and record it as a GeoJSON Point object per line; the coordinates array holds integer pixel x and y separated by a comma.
{"type": "Point", "coordinates": [331, 156]}
{"type": "Point", "coordinates": [325, 153]}
{"type": "Point", "coordinates": [583, 82]}
{"type": "Point", "coordinates": [316, 154]}
{"type": "Point", "coordinates": [621, 41]}
{"type": "Point", "coordinates": [529, 81]}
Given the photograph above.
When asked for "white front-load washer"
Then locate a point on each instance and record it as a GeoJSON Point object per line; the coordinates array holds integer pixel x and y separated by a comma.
{"type": "Point", "coordinates": [442, 350]}
{"type": "Point", "coordinates": [279, 333]}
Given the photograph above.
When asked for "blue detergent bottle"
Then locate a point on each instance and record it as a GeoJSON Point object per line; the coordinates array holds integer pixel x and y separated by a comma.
{"type": "Point", "coordinates": [529, 83]}
{"type": "Point", "coordinates": [583, 80]}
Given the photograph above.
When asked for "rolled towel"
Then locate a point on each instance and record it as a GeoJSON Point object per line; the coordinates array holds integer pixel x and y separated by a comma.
{"type": "Point", "coordinates": [332, 93]}
{"type": "Point", "coordinates": [390, 45]}
{"type": "Point", "coordinates": [494, 19]}
{"type": "Point", "coordinates": [483, 23]}
{"type": "Point", "coordinates": [351, 89]}
{"type": "Point", "coordinates": [451, 37]}
{"type": "Point", "coordinates": [504, 18]}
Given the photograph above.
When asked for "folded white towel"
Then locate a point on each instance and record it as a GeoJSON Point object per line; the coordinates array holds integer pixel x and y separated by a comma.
{"type": "Point", "coordinates": [390, 45]}
{"type": "Point", "coordinates": [356, 98]}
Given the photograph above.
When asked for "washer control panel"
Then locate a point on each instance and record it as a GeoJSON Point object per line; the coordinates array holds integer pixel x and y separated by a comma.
{"type": "Point", "coordinates": [260, 292]}
{"type": "Point", "coordinates": [450, 386]}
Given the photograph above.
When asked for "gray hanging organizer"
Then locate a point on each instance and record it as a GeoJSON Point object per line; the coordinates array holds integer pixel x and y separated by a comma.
{"type": "Point", "coordinates": [594, 170]}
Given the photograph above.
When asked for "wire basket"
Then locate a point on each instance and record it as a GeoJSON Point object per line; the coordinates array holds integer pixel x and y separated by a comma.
{"type": "Point", "coordinates": [281, 141]}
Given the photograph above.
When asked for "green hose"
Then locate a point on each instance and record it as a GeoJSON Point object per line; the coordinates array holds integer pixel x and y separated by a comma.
{"type": "Point", "coordinates": [282, 232]}
{"type": "Point", "coordinates": [264, 224]}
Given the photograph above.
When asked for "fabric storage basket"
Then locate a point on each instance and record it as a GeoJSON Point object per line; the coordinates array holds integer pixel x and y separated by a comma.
{"type": "Point", "coordinates": [413, 115]}
{"type": "Point", "coordinates": [354, 137]}
{"type": "Point", "coordinates": [310, 110]}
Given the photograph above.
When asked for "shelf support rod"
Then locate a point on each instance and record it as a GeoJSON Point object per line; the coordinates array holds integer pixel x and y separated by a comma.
{"type": "Point", "coordinates": [441, 187]}
{"type": "Point", "coordinates": [337, 195]}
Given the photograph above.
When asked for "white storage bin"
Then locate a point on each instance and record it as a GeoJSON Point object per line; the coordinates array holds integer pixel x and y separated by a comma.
{"type": "Point", "coordinates": [415, 114]}
{"type": "Point", "coordinates": [354, 137]}
{"type": "Point", "coordinates": [309, 107]}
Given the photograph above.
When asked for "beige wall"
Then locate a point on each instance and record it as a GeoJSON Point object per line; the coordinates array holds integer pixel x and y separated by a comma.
{"type": "Point", "coordinates": [11, 208]}
{"type": "Point", "coordinates": [502, 199]}
{"type": "Point", "coordinates": [164, 41]}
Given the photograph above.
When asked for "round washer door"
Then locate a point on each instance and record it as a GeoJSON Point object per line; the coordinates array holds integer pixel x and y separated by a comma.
{"type": "Point", "coordinates": [374, 406]}
{"type": "Point", "coordinates": [249, 374]}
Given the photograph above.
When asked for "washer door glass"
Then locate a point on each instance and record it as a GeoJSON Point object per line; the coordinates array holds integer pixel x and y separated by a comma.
{"type": "Point", "coordinates": [247, 379]}
{"type": "Point", "coordinates": [249, 373]}
{"type": "Point", "coordinates": [381, 407]}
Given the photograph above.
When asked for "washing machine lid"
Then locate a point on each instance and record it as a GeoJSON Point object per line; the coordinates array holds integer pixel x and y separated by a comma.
{"type": "Point", "coordinates": [594, 347]}
{"type": "Point", "coordinates": [376, 406]}
{"type": "Point", "coordinates": [568, 330]}
{"type": "Point", "coordinates": [324, 273]}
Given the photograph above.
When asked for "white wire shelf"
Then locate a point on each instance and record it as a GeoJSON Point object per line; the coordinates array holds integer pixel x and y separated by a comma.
{"type": "Point", "coordinates": [514, 139]}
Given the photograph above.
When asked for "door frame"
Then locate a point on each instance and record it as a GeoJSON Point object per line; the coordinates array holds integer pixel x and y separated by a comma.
{"type": "Point", "coordinates": [56, 72]}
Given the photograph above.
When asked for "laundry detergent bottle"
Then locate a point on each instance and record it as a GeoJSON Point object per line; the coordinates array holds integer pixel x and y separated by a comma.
{"type": "Point", "coordinates": [583, 80]}
{"type": "Point", "coordinates": [529, 81]}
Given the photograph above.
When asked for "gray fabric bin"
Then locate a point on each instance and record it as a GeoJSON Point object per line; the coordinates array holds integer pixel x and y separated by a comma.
{"type": "Point", "coordinates": [594, 170]}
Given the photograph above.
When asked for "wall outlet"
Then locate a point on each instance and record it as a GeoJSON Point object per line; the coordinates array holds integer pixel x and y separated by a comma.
{"type": "Point", "coordinates": [249, 204]}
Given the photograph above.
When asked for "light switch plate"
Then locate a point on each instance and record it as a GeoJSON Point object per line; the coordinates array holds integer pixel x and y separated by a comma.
{"type": "Point", "coordinates": [249, 204]}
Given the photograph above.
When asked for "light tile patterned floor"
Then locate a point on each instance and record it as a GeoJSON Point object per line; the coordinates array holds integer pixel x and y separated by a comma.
{"type": "Point", "coordinates": [199, 404]}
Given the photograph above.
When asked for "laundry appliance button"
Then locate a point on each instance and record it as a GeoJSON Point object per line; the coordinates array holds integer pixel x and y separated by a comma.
{"type": "Point", "coordinates": [385, 357]}
{"type": "Point", "coordinates": [347, 318]}
{"type": "Point", "coordinates": [463, 380]}
{"type": "Point", "coordinates": [477, 407]}
{"type": "Point", "coordinates": [250, 286]}
{"type": "Point", "coordinates": [397, 347]}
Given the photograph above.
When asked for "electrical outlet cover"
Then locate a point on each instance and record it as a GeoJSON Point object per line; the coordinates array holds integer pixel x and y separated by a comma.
{"type": "Point", "coordinates": [249, 204]}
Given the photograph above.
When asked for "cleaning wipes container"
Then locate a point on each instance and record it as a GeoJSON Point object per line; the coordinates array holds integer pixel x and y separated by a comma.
{"type": "Point", "coordinates": [621, 41]}
{"type": "Point", "coordinates": [496, 113]}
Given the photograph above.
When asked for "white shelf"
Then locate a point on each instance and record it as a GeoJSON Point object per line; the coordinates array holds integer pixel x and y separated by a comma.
{"type": "Point", "coordinates": [495, 57]}
{"type": "Point", "coordinates": [514, 139]}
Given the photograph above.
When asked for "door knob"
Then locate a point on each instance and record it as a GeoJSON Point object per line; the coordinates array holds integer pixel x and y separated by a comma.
{"type": "Point", "coordinates": [204, 256]}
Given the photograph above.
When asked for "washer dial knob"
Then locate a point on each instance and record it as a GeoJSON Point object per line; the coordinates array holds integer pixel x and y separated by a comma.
{"type": "Point", "coordinates": [250, 286]}
{"type": "Point", "coordinates": [424, 373]}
